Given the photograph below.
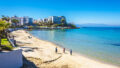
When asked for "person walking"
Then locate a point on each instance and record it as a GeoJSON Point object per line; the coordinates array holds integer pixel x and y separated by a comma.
{"type": "Point", "coordinates": [71, 52]}
{"type": "Point", "coordinates": [56, 50]}
{"type": "Point", "coordinates": [63, 50]}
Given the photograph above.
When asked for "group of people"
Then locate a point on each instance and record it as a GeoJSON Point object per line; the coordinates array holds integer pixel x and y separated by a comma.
{"type": "Point", "coordinates": [56, 50]}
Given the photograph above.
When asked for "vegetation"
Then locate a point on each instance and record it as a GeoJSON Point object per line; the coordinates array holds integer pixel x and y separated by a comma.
{"type": "Point", "coordinates": [3, 28]}
{"type": "Point", "coordinates": [72, 25]}
{"type": "Point", "coordinates": [4, 25]}
{"type": "Point", "coordinates": [6, 18]}
{"type": "Point", "coordinates": [3, 34]}
{"type": "Point", "coordinates": [6, 44]}
{"type": "Point", "coordinates": [50, 24]}
{"type": "Point", "coordinates": [44, 24]}
{"type": "Point", "coordinates": [63, 22]}
{"type": "Point", "coordinates": [30, 27]}
{"type": "Point", "coordinates": [15, 21]}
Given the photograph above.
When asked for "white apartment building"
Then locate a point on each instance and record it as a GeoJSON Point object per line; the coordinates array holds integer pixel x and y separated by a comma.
{"type": "Point", "coordinates": [56, 19]}
{"type": "Point", "coordinates": [23, 20]}
{"type": "Point", "coordinates": [39, 20]}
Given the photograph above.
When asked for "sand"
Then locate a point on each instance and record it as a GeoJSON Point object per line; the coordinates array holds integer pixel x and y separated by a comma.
{"type": "Point", "coordinates": [45, 51]}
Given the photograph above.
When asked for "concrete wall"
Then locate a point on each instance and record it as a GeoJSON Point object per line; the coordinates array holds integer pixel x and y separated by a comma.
{"type": "Point", "coordinates": [11, 59]}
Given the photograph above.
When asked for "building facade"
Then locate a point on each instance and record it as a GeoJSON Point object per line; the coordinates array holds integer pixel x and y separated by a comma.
{"type": "Point", "coordinates": [45, 20]}
{"type": "Point", "coordinates": [23, 20]}
{"type": "Point", "coordinates": [17, 18]}
{"type": "Point", "coordinates": [56, 19]}
{"type": "Point", "coordinates": [30, 21]}
{"type": "Point", "coordinates": [39, 20]}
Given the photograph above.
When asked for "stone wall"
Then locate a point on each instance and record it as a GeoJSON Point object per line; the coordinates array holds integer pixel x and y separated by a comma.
{"type": "Point", "coordinates": [12, 59]}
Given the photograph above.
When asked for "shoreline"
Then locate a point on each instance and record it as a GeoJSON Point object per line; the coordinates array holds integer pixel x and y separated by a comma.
{"type": "Point", "coordinates": [85, 61]}
{"type": "Point", "coordinates": [76, 53]}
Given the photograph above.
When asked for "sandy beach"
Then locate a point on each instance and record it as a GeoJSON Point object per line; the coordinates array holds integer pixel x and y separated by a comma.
{"type": "Point", "coordinates": [44, 52]}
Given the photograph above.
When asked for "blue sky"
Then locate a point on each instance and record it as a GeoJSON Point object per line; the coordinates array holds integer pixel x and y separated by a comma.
{"type": "Point", "coordinates": [77, 11]}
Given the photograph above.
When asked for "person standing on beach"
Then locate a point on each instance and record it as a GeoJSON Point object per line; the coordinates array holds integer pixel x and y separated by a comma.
{"type": "Point", "coordinates": [71, 52]}
{"type": "Point", "coordinates": [63, 50]}
{"type": "Point", "coordinates": [56, 49]}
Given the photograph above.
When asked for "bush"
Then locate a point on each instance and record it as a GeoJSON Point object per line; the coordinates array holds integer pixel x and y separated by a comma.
{"type": "Point", "coordinates": [7, 47]}
{"type": "Point", "coordinates": [71, 25]}
{"type": "Point", "coordinates": [6, 44]}
{"type": "Point", "coordinates": [55, 25]}
{"type": "Point", "coordinates": [30, 27]}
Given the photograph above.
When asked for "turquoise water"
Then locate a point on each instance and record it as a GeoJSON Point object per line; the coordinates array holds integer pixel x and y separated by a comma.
{"type": "Point", "coordinates": [102, 43]}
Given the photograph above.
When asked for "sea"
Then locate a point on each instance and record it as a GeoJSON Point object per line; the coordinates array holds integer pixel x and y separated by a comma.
{"type": "Point", "coordinates": [101, 43]}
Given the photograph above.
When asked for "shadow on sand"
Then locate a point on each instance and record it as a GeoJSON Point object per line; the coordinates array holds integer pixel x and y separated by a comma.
{"type": "Point", "coordinates": [28, 64]}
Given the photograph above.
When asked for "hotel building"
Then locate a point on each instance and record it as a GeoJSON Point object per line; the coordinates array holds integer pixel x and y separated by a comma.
{"type": "Point", "coordinates": [56, 19]}
{"type": "Point", "coordinates": [23, 20]}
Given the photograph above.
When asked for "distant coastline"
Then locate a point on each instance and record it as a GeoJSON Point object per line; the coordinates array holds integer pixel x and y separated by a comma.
{"type": "Point", "coordinates": [45, 27]}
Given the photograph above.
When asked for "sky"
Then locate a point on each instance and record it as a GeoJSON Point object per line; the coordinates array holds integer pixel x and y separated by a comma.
{"type": "Point", "coordinates": [75, 11]}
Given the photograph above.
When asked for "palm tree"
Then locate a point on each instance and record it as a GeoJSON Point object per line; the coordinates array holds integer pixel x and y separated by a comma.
{"type": "Point", "coordinates": [6, 18]}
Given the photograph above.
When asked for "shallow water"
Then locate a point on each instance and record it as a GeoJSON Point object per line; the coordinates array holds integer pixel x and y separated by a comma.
{"type": "Point", "coordinates": [102, 43]}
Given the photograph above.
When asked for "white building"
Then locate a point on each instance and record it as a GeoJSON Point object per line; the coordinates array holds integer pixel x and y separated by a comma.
{"type": "Point", "coordinates": [56, 19]}
{"type": "Point", "coordinates": [23, 20]}
{"type": "Point", "coordinates": [27, 20]}
{"type": "Point", "coordinates": [39, 20]}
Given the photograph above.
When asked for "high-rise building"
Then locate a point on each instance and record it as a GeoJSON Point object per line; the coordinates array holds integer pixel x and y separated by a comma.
{"type": "Point", "coordinates": [30, 21]}
{"type": "Point", "coordinates": [23, 20]}
{"type": "Point", "coordinates": [56, 19]}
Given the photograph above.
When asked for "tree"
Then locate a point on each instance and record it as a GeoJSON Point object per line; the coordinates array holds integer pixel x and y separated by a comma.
{"type": "Point", "coordinates": [72, 25]}
{"type": "Point", "coordinates": [6, 18]}
{"type": "Point", "coordinates": [49, 23]}
{"type": "Point", "coordinates": [15, 21]}
{"type": "Point", "coordinates": [62, 21]}
{"type": "Point", "coordinates": [3, 27]}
